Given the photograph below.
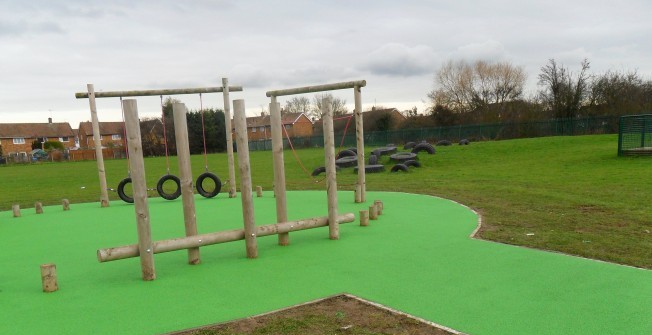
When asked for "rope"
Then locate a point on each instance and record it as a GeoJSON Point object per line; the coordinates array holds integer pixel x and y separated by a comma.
{"type": "Point", "coordinates": [124, 133]}
{"type": "Point", "coordinates": [203, 131]}
{"type": "Point", "coordinates": [165, 137]}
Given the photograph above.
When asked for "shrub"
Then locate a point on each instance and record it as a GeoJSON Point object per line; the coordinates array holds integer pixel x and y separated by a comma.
{"type": "Point", "coordinates": [50, 145]}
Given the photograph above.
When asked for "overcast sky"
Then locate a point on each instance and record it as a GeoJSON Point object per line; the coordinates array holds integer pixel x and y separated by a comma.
{"type": "Point", "coordinates": [52, 49]}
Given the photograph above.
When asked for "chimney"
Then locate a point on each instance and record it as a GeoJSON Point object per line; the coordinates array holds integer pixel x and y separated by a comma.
{"type": "Point", "coordinates": [49, 120]}
{"type": "Point", "coordinates": [262, 113]}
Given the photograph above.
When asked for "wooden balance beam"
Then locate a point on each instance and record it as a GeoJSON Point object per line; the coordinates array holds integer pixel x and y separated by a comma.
{"type": "Point", "coordinates": [129, 251]}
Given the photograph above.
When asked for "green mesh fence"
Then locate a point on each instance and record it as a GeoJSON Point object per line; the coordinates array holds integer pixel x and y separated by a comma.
{"type": "Point", "coordinates": [635, 135]}
{"type": "Point", "coordinates": [495, 131]}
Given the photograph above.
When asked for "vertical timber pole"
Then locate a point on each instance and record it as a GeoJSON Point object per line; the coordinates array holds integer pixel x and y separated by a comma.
{"type": "Point", "coordinates": [97, 138]}
{"type": "Point", "coordinates": [137, 167]}
{"type": "Point", "coordinates": [229, 137]}
{"type": "Point", "coordinates": [185, 174]}
{"type": "Point", "coordinates": [359, 139]}
{"type": "Point", "coordinates": [331, 181]}
{"type": "Point", "coordinates": [279, 168]}
{"type": "Point", "coordinates": [240, 120]}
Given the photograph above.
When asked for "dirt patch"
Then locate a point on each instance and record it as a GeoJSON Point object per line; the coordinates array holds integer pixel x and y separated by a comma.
{"type": "Point", "coordinates": [341, 314]}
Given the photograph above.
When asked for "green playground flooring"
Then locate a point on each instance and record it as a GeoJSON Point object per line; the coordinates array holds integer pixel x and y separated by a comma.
{"type": "Point", "coordinates": [417, 258]}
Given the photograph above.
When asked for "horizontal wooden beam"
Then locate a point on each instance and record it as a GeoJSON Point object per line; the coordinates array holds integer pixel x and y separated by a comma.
{"type": "Point", "coordinates": [172, 91]}
{"type": "Point", "coordinates": [317, 88]}
{"type": "Point", "coordinates": [128, 251]}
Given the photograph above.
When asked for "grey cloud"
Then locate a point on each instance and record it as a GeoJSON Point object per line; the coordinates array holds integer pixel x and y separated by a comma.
{"type": "Point", "coordinates": [395, 59]}
{"type": "Point", "coordinates": [21, 28]}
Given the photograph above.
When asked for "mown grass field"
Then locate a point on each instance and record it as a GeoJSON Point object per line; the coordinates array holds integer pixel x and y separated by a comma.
{"type": "Point", "coordinates": [567, 194]}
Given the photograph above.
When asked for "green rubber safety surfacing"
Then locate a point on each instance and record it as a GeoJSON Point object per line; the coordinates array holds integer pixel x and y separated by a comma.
{"type": "Point", "coordinates": [417, 258]}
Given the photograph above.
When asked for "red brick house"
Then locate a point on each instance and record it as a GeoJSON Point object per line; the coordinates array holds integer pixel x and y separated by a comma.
{"type": "Point", "coordinates": [17, 138]}
{"type": "Point", "coordinates": [112, 134]}
{"type": "Point", "coordinates": [296, 125]}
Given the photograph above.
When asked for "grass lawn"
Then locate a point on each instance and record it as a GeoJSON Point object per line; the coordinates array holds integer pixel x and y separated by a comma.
{"type": "Point", "coordinates": [568, 194]}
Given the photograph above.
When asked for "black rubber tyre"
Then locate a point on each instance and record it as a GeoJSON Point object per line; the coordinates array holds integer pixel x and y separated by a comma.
{"type": "Point", "coordinates": [401, 157]}
{"type": "Point", "coordinates": [389, 145]}
{"type": "Point", "coordinates": [316, 172]}
{"type": "Point", "coordinates": [384, 151]}
{"type": "Point", "coordinates": [345, 162]}
{"type": "Point", "coordinates": [346, 153]}
{"type": "Point", "coordinates": [412, 163]}
{"type": "Point", "coordinates": [399, 167]}
{"type": "Point", "coordinates": [464, 142]}
{"type": "Point", "coordinates": [373, 159]}
{"type": "Point", "coordinates": [409, 145]}
{"type": "Point", "coordinates": [121, 191]}
{"type": "Point", "coordinates": [161, 191]}
{"type": "Point", "coordinates": [353, 149]}
{"type": "Point", "coordinates": [443, 143]}
{"type": "Point", "coordinates": [371, 168]}
{"type": "Point", "coordinates": [200, 185]}
{"type": "Point", "coordinates": [423, 147]}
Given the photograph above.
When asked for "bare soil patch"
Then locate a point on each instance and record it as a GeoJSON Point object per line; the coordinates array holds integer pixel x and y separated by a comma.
{"type": "Point", "coordinates": [341, 314]}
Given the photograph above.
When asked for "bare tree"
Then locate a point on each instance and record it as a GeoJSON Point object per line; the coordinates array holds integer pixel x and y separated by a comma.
{"type": "Point", "coordinates": [618, 93]}
{"type": "Point", "coordinates": [462, 87]}
{"type": "Point", "coordinates": [297, 105]}
{"type": "Point", "coordinates": [564, 92]}
{"type": "Point", "coordinates": [338, 105]}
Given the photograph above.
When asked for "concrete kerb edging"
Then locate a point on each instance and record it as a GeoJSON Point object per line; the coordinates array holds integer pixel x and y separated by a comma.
{"type": "Point", "coordinates": [348, 295]}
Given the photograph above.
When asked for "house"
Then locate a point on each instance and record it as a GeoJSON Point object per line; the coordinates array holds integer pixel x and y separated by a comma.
{"type": "Point", "coordinates": [295, 124]}
{"type": "Point", "coordinates": [16, 138]}
{"type": "Point", "coordinates": [376, 119]}
{"type": "Point", "coordinates": [112, 134]}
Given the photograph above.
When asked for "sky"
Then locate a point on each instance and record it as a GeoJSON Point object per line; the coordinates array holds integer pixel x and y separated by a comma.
{"type": "Point", "coordinates": [49, 50]}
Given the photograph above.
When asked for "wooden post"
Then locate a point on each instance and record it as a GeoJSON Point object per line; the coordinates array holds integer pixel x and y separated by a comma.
{"type": "Point", "coordinates": [279, 167]}
{"type": "Point", "coordinates": [331, 179]}
{"type": "Point", "coordinates": [242, 141]}
{"type": "Point", "coordinates": [66, 204]}
{"type": "Point", "coordinates": [356, 192]}
{"type": "Point", "coordinates": [137, 167]}
{"type": "Point", "coordinates": [128, 251]}
{"type": "Point", "coordinates": [185, 176]}
{"type": "Point", "coordinates": [259, 191]}
{"type": "Point", "coordinates": [373, 212]}
{"type": "Point", "coordinates": [379, 206]}
{"type": "Point", "coordinates": [38, 207]}
{"type": "Point", "coordinates": [229, 137]}
{"type": "Point", "coordinates": [359, 139]}
{"type": "Point", "coordinates": [16, 210]}
{"type": "Point", "coordinates": [49, 277]}
{"type": "Point", "coordinates": [364, 218]}
{"type": "Point", "coordinates": [97, 138]}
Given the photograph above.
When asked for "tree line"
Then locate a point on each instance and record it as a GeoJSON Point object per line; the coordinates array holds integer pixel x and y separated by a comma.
{"type": "Point", "coordinates": [493, 92]}
{"type": "Point", "coordinates": [157, 132]}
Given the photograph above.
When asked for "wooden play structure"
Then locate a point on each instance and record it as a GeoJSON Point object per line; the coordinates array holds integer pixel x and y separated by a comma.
{"type": "Point", "coordinates": [329, 150]}
{"type": "Point", "coordinates": [146, 248]}
{"type": "Point", "coordinates": [92, 95]}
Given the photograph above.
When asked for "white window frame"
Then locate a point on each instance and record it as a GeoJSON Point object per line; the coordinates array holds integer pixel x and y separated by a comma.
{"type": "Point", "coordinates": [19, 140]}
{"type": "Point", "coordinates": [253, 130]}
{"type": "Point", "coordinates": [116, 137]}
{"type": "Point", "coordinates": [261, 129]}
{"type": "Point", "coordinates": [64, 139]}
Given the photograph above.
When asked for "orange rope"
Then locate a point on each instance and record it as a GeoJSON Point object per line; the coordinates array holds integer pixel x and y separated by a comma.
{"type": "Point", "coordinates": [165, 137]}
{"type": "Point", "coordinates": [203, 131]}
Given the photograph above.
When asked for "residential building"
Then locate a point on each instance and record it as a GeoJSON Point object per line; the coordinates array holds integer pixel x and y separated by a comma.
{"type": "Point", "coordinates": [295, 124]}
{"type": "Point", "coordinates": [112, 134]}
{"type": "Point", "coordinates": [16, 138]}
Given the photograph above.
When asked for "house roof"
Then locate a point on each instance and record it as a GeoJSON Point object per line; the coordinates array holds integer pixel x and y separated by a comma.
{"type": "Point", "coordinates": [35, 130]}
{"type": "Point", "coordinates": [262, 121]}
{"type": "Point", "coordinates": [106, 128]}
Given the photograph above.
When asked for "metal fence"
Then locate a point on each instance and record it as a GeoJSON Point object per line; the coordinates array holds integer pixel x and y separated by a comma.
{"type": "Point", "coordinates": [635, 135]}
{"type": "Point", "coordinates": [495, 131]}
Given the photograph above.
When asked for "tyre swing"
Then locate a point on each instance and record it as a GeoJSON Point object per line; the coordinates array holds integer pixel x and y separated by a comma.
{"type": "Point", "coordinates": [124, 182]}
{"type": "Point", "coordinates": [207, 175]}
{"type": "Point", "coordinates": [160, 185]}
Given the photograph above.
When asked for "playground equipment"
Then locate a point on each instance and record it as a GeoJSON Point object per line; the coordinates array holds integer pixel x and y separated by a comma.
{"type": "Point", "coordinates": [635, 135]}
{"type": "Point", "coordinates": [146, 248]}
{"type": "Point", "coordinates": [92, 95]}
{"type": "Point", "coordinates": [277, 150]}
